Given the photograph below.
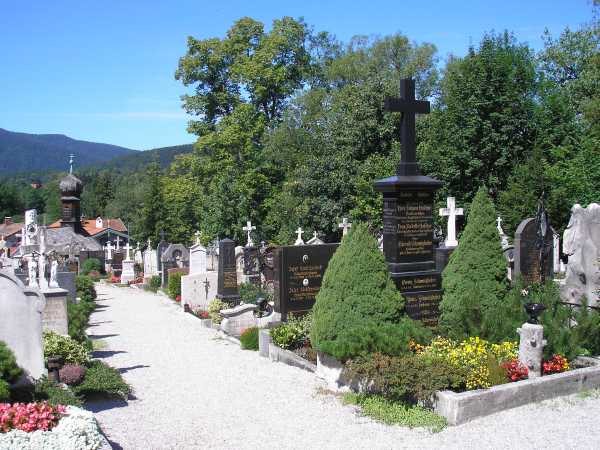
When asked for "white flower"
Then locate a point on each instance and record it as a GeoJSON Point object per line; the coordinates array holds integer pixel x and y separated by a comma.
{"type": "Point", "coordinates": [78, 430]}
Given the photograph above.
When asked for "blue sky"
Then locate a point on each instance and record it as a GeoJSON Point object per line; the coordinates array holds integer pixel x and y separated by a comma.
{"type": "Point", "coordinates": [104, 70]}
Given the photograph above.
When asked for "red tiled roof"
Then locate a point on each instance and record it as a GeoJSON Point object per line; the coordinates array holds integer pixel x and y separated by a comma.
{"type": "Point", "coordinates": [9, 230]}
{"type": "Point", "coordinates": [89, 225]}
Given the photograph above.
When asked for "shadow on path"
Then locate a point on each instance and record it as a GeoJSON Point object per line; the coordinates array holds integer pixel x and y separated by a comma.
{"type": "Point", "coordinates": [106, 353]}
{"type": "Point", "coordinates": [97, 405]}
{"type": "Point", "coordinates": [95, 324]}
{"type": "Point", "coordinates": [101, 336]}
{"type": "Point", "coordinates": [127, 369]}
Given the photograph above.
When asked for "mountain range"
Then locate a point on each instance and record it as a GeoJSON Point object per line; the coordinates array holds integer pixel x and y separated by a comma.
{"type": "Point", "coordinates": [22, 153]}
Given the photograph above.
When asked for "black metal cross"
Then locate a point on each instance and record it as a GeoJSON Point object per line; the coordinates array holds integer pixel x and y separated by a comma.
{"type": "Point", "coordinates": [409, 107]}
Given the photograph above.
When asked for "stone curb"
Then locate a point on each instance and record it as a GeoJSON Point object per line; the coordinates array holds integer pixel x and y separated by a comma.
{"type": "Point", "coordinates": [277, 354]}
{"type": "Point", "coordinates": [459, 408]}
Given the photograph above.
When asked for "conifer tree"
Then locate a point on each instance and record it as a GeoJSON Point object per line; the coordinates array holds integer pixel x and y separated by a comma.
{"type": "Point", "coordinates": [474, 280]}
{"type": "Point", "coordinates": [358, 309]}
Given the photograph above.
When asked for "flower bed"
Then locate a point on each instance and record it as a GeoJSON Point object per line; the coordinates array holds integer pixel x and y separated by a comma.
{"type": "Point", "coordinates": [76, 429]}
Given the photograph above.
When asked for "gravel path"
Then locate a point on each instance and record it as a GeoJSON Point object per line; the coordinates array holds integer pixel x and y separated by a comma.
{"type": "Point", "coordinates": [195, 391]}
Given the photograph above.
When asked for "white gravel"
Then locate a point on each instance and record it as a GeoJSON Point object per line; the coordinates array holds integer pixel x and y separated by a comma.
{"type": "Point", "coordinates": [197, 391]}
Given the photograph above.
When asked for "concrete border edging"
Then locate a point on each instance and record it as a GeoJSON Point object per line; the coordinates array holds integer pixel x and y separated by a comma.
{"type": "Point", "coordinates": [264, 339]}
{"type": "Point", "coordinates": [459, 408]}
{"type": "Point", "coordinates": [277, 354]}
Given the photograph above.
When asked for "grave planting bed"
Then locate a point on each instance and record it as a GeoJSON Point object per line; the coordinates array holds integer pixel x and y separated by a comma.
{"type": "Point", "coordinates": [459, 408]}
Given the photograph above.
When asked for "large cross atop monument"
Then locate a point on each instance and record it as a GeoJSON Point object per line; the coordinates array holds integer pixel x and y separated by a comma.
{"type": "Point", "coordinates": [408, 217]}
{"type": "Point", "coordinates": [409, 107]}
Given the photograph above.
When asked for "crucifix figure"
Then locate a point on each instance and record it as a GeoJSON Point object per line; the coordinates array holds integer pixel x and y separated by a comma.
{"type": "Point", "coordinates": [149, 244]}
{"type": "Point", "coordinates": [109, 249]}
{"type": "Point", "coordinates": [162, 235]}
{"type": "Point", "coordinates": [409, 107]}
{"type": "Point", "coordinates": [451, 211]}
{"type": "Point", "coordinates": [197, 234]}
{"type": "Point", "coordinates": [499, 225]}
{"type": "Point", "coordinates": [248, 229]}
{"type": "Point", "coordinates": [299, 241]}
{"type": "Point", "coordinates": [71, 160]}
{"type": "Point", "coordinates": [345, 225]}
{"type": "Point", "coordinates": [118, 243]}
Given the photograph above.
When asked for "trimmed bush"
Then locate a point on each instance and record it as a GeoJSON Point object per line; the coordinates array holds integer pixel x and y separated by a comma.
{"type": "Point", "coordinates": [358, 309]}
{"type": "Point", "coordinates": [85, 288]}
{"type": "Point", "coordinates": [155, 283]}
{"type": "Point", "coordinates": [474, 280]}
{"type": "Point", "coordinates": [91, 265]}
{"type": "Point", "coordinates": [174, 285]}
{"type": "Point", "coordinates": [214, 310]}
{"type": "Point", "coordinates": [293, 334]}
{"type": "Point", "coordinates": [4, 391]}
{"type": "Point", "coordinates": [249, 293]}
{"type": "Point", "coordinates": [9, 371]}
{"type": "Point", "coordinates": [72, 374]}
{"type": "Point", "coordinates": [71, 351]}
{"type": "Point", "coordinates": [249, 339]}
{"type": "Point", "coordinates": [102, 380]}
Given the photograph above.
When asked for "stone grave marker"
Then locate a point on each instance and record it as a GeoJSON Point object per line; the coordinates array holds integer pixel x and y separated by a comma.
{"type": "Point", "coordinates": [408, 217]}
{"type": "Point", "coordinates": [174, 256]}
{"type": "Point", "coordinates": [128, 264]}
{"type": "Point", "coordinates": [298, 274]}
{"type": "Point", "coordinates": [21, 323]}
{"type": "Point", "coordinates": [227, 289]}
{"type": "Point", "coordinates": [581, 242]}
{"type": "Point", "coordinates": [528, 253]}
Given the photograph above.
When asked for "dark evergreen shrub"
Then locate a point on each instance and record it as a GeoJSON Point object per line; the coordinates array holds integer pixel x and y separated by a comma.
{"type": "Point", "coordinates": [85, 287]}
{"type": "Point", "coordinates": [249, 339]}
{"type": "Point", "coordinates": [9, 371]}
{"type": "Point", "coordinates": [155, 283]}
{"type": "Point", "coordinates": [587, 330]}
{"type": "Point", "coordinates": [474, 280]}
{"type": "Point", "coordinates": [358, 309]}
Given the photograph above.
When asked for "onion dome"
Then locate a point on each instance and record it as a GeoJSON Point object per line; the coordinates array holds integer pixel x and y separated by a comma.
{"type": "Point", "coordinates": [70, 186]}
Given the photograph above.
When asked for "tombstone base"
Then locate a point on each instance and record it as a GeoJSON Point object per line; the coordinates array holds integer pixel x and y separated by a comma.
{"type": "Point", "coordinates": [442, 256]}
{"type": "Point", "coordinates": [128, 272]}
{"type": "Point", "coordinates": [54, 316]}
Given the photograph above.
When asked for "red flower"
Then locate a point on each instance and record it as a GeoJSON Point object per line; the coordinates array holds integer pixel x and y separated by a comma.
{"type": "Point", "coordinates": [515, 371]}
{"type": "Point", "coordinates": [178, 298]}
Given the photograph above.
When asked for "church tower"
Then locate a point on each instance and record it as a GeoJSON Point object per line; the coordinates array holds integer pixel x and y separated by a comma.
{"type": "Point", "coordinates": [70, 193]}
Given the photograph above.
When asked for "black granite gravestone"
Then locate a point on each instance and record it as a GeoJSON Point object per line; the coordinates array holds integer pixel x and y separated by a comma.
{"type": "Point", "coordinates": [528, 253]}
{"type": "Point", "coordinates": [251, 265]}
{"type": "Point", "coordinates": [227, 287]}
{"type": "Point", "coordinates": [408, 218]}
{"type": "Point", "coordinates": [298, 275]}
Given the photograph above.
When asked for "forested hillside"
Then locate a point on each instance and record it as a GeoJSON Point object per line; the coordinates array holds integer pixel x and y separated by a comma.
{"type": "Point", "coordinates": [20, 152]}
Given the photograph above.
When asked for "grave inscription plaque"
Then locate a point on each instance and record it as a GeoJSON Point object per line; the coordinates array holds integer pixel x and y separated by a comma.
{"type": "Point", "coordinates": [299, 271]}
{"type": "Point", "coordinates": [227, 288]}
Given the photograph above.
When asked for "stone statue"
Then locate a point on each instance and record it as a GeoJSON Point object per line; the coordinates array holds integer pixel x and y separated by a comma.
{"type": "Point", "coordinates": [33, 270]}
{"type": "Point", "coordinates": [581, 242]}
{"type": "Point", "coordinates": [54, 274]}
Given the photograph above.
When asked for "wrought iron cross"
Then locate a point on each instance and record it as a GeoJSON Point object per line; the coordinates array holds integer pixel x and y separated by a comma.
{"type": "Point", "coordinates": [409, 107]}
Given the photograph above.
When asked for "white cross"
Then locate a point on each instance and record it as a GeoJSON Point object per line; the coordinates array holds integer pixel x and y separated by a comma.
{"type": "Point", "coordinates": [118, 243]}
{"type": "Point", "coordinates": [248, 229]}
{"type": "Point", "coordinates": [149, 244]}
{"type": "Point", "coordinates": [109, 249]}
{"type": "Point", "coordinates": [451, 211]}
{"type": "Point", "coordinates": [127, 249]}
{"type": "Point", "coordinates": [345, 225]}
{"type": "Point", "coordinates": [197, 234]}
{"type": "Point", "coordinates": [299, 241]}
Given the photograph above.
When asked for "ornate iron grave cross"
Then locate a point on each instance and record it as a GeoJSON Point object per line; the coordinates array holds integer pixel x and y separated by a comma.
{"type": "Point", "coordinates": [409, 107]}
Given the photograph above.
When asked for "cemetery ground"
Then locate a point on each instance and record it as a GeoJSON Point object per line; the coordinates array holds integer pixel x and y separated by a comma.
{"type": "Point", "coordinates": [193, 389]}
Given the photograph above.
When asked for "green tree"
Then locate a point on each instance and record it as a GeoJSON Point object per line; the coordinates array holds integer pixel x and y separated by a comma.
{"type": "Point", "coordinates": [481, 125]}
{"type": "Point", "coordinates": [358, 308]}
{"type": "Point", "coordinates": [474, 280]}
{"type": "Point", "coordinates": [151, 213]}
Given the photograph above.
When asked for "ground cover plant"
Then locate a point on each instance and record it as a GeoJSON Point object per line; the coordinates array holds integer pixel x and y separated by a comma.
{"type": "Point", "coordinates": [100, 380]}
{"type": "Point", "coordinates": [358, 309]}
{"type": "Point", "coordinates": [249, 339]}
{"type": "Point", "coordinates": [395, 413]}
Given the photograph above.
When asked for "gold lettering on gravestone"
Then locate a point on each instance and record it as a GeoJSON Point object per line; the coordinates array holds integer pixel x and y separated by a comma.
{"type": "Point", "coordinates": [418, 283]}
{"type": "Point", "coordinates": [230, 280]}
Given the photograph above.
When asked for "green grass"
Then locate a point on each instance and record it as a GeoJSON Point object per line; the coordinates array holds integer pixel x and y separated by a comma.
{"type": "Point", "coordinates": [394, 413]}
